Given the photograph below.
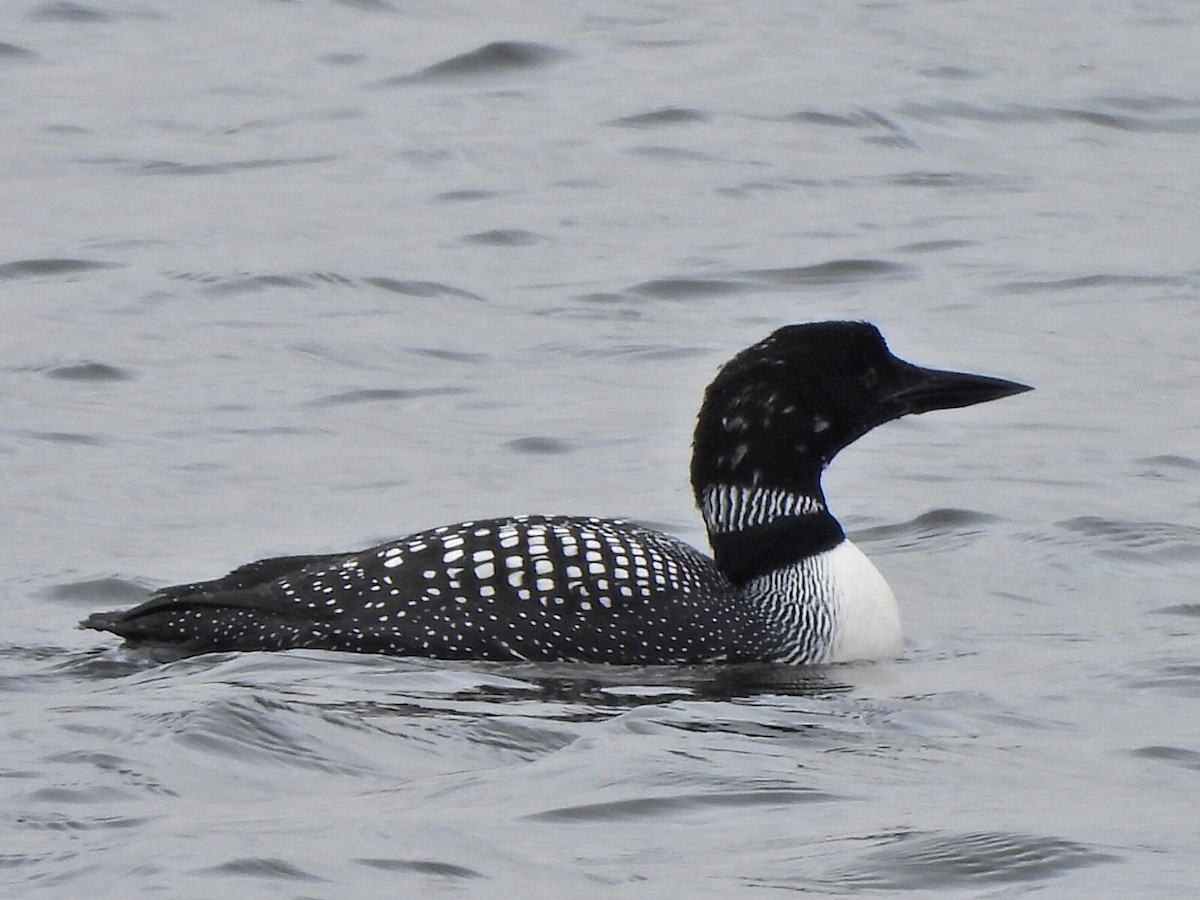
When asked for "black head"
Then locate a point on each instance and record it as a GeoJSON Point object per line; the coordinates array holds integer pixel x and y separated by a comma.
{"type": "Point", "coordinates": [779, 411]}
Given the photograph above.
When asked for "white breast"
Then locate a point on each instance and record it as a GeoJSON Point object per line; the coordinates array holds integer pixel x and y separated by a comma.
{"type": "Point", "coordinates": [866, 618]}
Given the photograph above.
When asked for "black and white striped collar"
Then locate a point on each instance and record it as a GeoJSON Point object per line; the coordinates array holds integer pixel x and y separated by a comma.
{"type": "Point", "coordinates": [728, 507]}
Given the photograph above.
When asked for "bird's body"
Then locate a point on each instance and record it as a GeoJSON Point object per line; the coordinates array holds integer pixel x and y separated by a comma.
{"type": "Point", "coordinates": [527, 588]}
{"type": "Point", "coordinates": [784, 584]}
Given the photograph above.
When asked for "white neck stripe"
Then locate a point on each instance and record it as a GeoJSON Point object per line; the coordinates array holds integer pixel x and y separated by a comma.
{"type": "Point", "coordinates": [731, 508]}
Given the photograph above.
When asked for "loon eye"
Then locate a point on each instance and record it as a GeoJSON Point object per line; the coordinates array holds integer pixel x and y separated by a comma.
{"type": "Point", "coordinates": [870, 377]}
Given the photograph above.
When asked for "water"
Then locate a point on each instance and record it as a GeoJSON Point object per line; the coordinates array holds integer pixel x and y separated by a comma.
{"type": "Point", "coordinates": [299, 277]}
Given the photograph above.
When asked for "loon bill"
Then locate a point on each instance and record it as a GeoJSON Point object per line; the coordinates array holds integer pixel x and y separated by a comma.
{"type": "Point", "coordinates": [783, 584]}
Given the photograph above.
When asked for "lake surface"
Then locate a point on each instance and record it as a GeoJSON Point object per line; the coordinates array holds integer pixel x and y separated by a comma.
{"type": "Point", "coordinates": [299, 277]}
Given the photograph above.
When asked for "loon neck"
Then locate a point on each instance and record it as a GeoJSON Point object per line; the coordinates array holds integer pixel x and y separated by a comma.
{"type": "Point", "coordinates": [755, 530]}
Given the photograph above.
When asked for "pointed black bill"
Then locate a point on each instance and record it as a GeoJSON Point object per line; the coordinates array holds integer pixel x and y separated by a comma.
{"type": "Point", "coordinates": [928, 389]}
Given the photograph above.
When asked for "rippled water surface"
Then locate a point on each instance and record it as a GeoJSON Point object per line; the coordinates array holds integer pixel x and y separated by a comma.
{"type": "Point", "coordinates": [298, 277]}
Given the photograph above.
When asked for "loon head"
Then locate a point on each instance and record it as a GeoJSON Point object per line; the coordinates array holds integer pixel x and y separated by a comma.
{"type": "Point", "coordinates": [778, 413]}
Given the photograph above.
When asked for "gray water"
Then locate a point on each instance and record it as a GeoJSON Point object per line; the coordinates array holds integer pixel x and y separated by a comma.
{"type": "Point", "coordinates": [297, 277]}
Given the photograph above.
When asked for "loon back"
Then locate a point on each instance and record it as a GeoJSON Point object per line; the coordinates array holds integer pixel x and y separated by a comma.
{"type": "Point", "coordinates": [525, 587]}
{"type": "Point", "coordinates": [783, 585]}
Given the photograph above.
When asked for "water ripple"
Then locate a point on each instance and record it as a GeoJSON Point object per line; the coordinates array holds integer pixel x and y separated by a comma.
{"type": "Point", "coordinates": [260, 867]}
{"type": "Point", "coordinates": [1174, 679]}
{"type": "Point", "coordinates": [540, 445]}
{"type": "Point", "coordinates": [1177, 756]}
{"type": "Point", "coordinates": [37, 268]}
{"type": "Point", "coordinates": [377, 395]}
{"type": "Point", "coordinates": [974, 181]}
{"type": "Point", "coordinates": [1133, 540]}
{"type": "Point", "coordinates": [117, 591]}
{"type": "Point", "coordinates": [1189, 610]}
{"type": "Point", "coordinates": [15, 52]}
{"type": "Point", "coordinates": [935, 246]}
{"type": "Point", "coordinates": [63, 11]}
{"type": "Point", "coordinates": [1170, 461]}
{"type": "Point", "coordinates": [685, 288]}
{"type": "Point", "coordinates": [668, 115]}
{"type": "Point", "coordinates": [671, 805]}
{"type": "Point", "coordinates": [218, 284]}
{"type": "Point", "coordinates": [1156, 118]}
{"type": "Point", "coordinates": [949, 527]}
{"type": "Point", "coordinates": [497, 58]}
{"type": "Point", "coordinates": [930, 860]}
{"type": "Point", "coordinates": [836, 271]}
{"type": "Point", "coordinates": [858, 118]}
{"type": "Point", "coordinates": [88, 371]}
{"type": "Point", "coordinates": [65, 438]}
{"type": "Point", "coordinates": [421, 867]}
{"type": "Point", "coordinates": [1103, 279]}
{"type": "Point", "coordinates": [173, 167]}
{"type": "Point", "coordinates": [411, 288]}
{"type": "Point", "coordinates": [256, 732]}
{"type": "Point", "coordinates": [831, 273]}
{"type": "Point", "coordinates": [503, 237]}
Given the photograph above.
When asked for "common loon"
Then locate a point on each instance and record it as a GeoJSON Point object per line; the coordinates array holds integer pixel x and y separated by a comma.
{"type": "Point", "coordinates": [784, 584]}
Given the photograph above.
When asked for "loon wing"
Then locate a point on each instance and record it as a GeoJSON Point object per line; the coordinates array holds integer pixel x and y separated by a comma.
{"type": "Point", "coordinates": [249, 576]}
{"type": "Point", "coordinates": [518, 588]}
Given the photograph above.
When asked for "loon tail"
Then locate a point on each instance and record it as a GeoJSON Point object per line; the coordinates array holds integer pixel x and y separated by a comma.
{"type": "Point", "coordinates": [198, 622]}
{"type": "Point", "coordinates": [209, 614]}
